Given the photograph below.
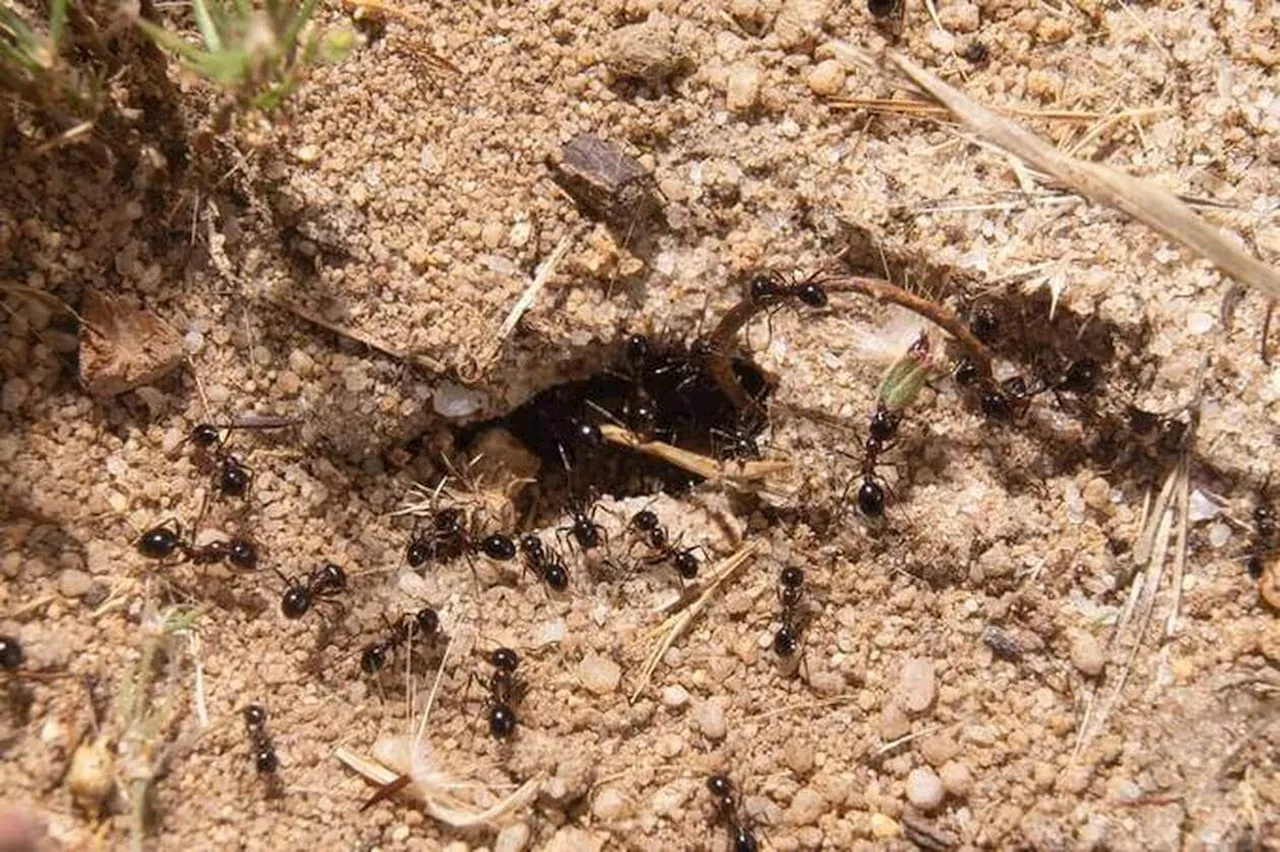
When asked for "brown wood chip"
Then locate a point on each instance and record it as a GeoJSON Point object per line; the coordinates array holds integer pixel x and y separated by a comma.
{"type": "Point", "coordinates": [123, 347]}
{"type": "Point", "coordinates": [606, 182]}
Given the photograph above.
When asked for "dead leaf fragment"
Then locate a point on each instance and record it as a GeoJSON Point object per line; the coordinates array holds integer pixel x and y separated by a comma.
{"type": "Point", "coordinates": [123, 347]}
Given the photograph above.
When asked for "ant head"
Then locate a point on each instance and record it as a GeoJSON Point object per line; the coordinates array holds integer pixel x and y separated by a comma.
{"type": "Point", "coordinates": [995, 405]}
{"type": "Point", "coordinates": [644, 520]}
{"type": "Point", "coordinates": [881, 8]}
{"type": "Point", "coordinates": [1081, 376]}
{"type": "Point", "coordinates": [531, 546]}
{"type": "Point", "coordinates": [557, 576]}
{"type": "Point", "coordinates": [242, 554]}
{"type": "Point", "coordinates": [686, 563]}
{"type": "Point", "coordinates": [984, 324]}
{"type": "Point", "coordinates": [744, 840]}
{"type": "Point", "coordinates": [812, 294]}
{"type": "Point", "coordinates": [449, 521]}
{"type": "Point", "coordinates": [1172, 434]}
{"type": "Point", "coordinates": [589, 434]}
{"type": "Point", "coordinates": [766, 286]}
{"type": "Point", "coordinates": [417, 553]}
{"type": "Point", "coordinates": [296, 602]}
{"type": "Point", "coordinates": [255, 716]}
{"type": "Point", "coordinates": [870, 499]}
{"type": "Point", "coordinates": [792, 577]}
{"type": "Point", "coordinates": [504, 659]}
{"type": "Point", "coordinates": [10, 653]}
{"type": "Point", "coordinates": [720, 786]}
{"type": "Point", "coordinates": [205, 435]}
{"type": "Point", "coordinates": [637, 350]}
{"type": "Point", "coordinates": [966, 372]}
{"type": "Point", "coordinates": [426, 621]}
{"type": "Point", "coordinates": [1142, 424]}
{"type": "Point", "coordinates": [884, 424]}
{"type": "Point", "coordinates": [233, 480]}
{"type": "Point", "coordinates": [265, 759]}
{"type": "Point", "coordinates": [373, 658]}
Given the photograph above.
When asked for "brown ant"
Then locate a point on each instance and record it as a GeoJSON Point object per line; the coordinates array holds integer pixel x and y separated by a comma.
{"type": "Point", "coordinates": [321, 586]}
{"type": "Point", "coordinates": [264, 753]}
{"type": "Point", "coordinates": [725, 797]}
{"type": "Point", "coordinates": [425, 623]}
{"type": "Point", "coordinates": [505, 689]}
{"type": "Point", "coordinates": [654, 536]}
{"type": "Point", "coordinates": [544, 562]}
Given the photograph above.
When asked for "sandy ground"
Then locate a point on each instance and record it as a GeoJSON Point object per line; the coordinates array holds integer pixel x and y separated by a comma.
{"type": "Point", "coordinates": [411, 207]}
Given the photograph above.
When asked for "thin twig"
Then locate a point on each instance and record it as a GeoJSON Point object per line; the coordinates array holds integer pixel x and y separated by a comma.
{"type": "Point", "coordinates": [429, 364]}
{"type": "Point", "coordinates": [739, 474]}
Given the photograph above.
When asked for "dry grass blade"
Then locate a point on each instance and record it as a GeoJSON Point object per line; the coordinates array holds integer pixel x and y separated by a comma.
{"type": "Point", "coordinates": [677, 624]}
{"type": "Point", "coordinates": [372, 342]}
{"type": "Point", "coordinates": [1140, 199]}
{"type": "Point", "coordinates": [739, 474]}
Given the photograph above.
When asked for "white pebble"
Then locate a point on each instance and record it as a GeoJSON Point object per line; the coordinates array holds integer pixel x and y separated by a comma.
{"type": "Point", "coordinates": [744, 87]}
{"type": "Point", "coordinates": [609, 805]}
{"type": "Point", "coordinates": [1199, 322]}
{"type": "Point", "coordinates": [552, 632]}
{"type": "Point", "coordinates": [916, 686]}
{"type": "Point", "coordinates": [1219, 534]}
{"type": "Point", "coordinates": [709, 717]}
{"type": "Point", "coordinates": [599, 674]}
{"type": "Point", "coordinates": [1087, 654]}
{"type": "Point", "coordinates": [675, 696]}
{"type": "Point", "coordinates": [924, 788]}
{"type": "Point", "coordinates": [806, 807]}
{"type": "Point", "coordinates": [513, 838]}
{"type": "Point", "coordinates": [1201, 508]}
{"type": "Point", "coordinates": [827, 78]}
{"type": "Point", "coordinates": [453, 400]}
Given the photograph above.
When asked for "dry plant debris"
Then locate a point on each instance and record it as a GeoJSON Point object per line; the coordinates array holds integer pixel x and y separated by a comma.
{"type": "Point", "coordinates": [123, 347]}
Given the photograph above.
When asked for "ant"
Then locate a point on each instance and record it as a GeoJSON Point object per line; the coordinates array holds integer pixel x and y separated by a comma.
{"type": "Point", "coordinates": [726, 801]}
{"type": "Point", "coordinates": [321, 585]}
{"type": "Point", "coordinates": [583, 527]}
{"type": "Point", "coordinates": [881, 434]}
{"type": "Point", "coordinates": [1264, 538]}
{"type": "Point", "coordinates": [264, 753]}
{"type": "Point", "coordinates": [654, 536]}
{"type": "Point", "coordinates": [984, 324]}
{"type": "Point", "coordinates": [11, 655]}
{"type": "Point", "coordinates": [790, 596]}
{"type": "Point", "coordinates": [163, 541]}
{"type": "Point", "coordinates": [1009, 400]}
{"type": "Point", "coordinates": [505, 689]}
{"type": "Point", "coordinates": [544, 562]}
{"type": "Point", "coordinates": [449, 536]}
{"type": "Point", "coordinates": [424, 623]}
{"type": "Point", "coordinates": [770, 287]}
{"type": "Point", "coordinates": [232, 476]}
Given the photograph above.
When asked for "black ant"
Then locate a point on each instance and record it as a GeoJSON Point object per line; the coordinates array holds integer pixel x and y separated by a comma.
{"type": "Point", "coordinates": [654, 536]}
{"type": "Point", "coordinates": [264, 753]}
{"type": "Point", "coordinates": [790, 596]}
{"type": "Point", "coordinates": [425, 623]}
{"type": "Point", "coordinates": [966, 372]}
{"type": "Point", "coordinates": [232, 476]}
{"type": "Point", "coordinates": [321, 585]}
{"type": "Point", "coordinates": [985, 325]}
{"type": "Point", "coordinates": [1264, 539]}
{"type": "Point", "coordinates": [1009, 400]}
{"type": "Point", "coordinates": [726, 801]}
{"type": "Point", "coordinates": [450, 537]}
{"type": "Point", "coordinates": [11, 655]}
{"type": "Point", "coordinates": [505, 689]}
{"type": "Point", "coordinates": [583, 528]}
{"type": "Point", "coordinates": [881, 434]}
{"type": "Point", "coordinates": [770, 287]}
{"type": "Point", "coordinates": [544, 562]}
{"type": "Point", "coordinates": [163, 541]}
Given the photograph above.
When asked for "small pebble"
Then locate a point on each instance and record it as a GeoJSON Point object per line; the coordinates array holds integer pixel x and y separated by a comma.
{"type": "Point", "coordinates": [1087, 655]}
{"type": "Point", "coordinates": [513, 838]}
{"type": "Point", "coordinates": [798, 755]}
{"type": "Point", "coordinates": [599, 674]}
{"type": "Point", "coordinates": [957, 779]}
{"type": "Point", "coordinates": [647, 51]}
{"type": "Point", "coordinates": [743, 91]}
{"type": "Point", "coordinates": [675, 696]}
{"type": "Point", "coordinates": [709, 717]}
{"type": "Point", "coordinates": [806, 807]}
{"type": "Point", "coordinates": [884, 827]}
{"type": "Point", "coordinates": [570, 839]}
{"type": "Point", "coordinates": [924, 788]}
{"type": "Point", "coordinates": [74, 583]}
{"type": "Point", "coordinates": [14, 394]}
{"type": "Point", "coordinates": [609, 805]}
{"type": "Point", "coordinates": [916, 687]}
{"type": "Point", "coordinates": [893, 723]}
{"type": "Point", "coordinates": [827, 78]}
{"type": "Point", "coordinates": [799, 23]}
{"type": "Point", "coordinates": [670, 745]}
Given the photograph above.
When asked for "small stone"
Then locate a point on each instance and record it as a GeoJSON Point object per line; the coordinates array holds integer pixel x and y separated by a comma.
{"type": "Point", "coordinates": [609, 805]}
{"type": "Point", "coordinates": [806, 807]}
{"type": "Point", "coordinates": [798, 755]}
{"type": "Point", "coordinates": [894, 723]}
{"type": "Point", "coordinates": [799, 23]}
{"type": "Point", "coordinates": [743, 90]}
{"type": "Point", "coordinates": [924, 788]}
{"type": "Point", "coordinates": [599, 674]}
{"type": "Point", "coordinates": [74, 583]}
{"type": "Point", "coordinates": [308, 153]}
{"type": "Point", "coordinates": [647, 51]}
{"type": "Point", "coordinates": [709, 717]}
{"type": "Point", "coordinates": [513, 838]}
{"type": "Point", "coordinates": [570, 839]}
{"type": "Point", "coordinates": [827, 78]}
{"type": "Point", "coordinates": [916, 687]}
{"type": "Point", "coordinates": [938, 749]}
{"type": "Point", "coordinates": [675, 696]}
{"type": "Point", "coordinates": [884, 827]}
{"type": "Point", "coordinates": [1087, 655]}
{"type": "Point", "coordinates": [669, 746]}
{"type": "Point", "coordinates": [289, 383]}
{"type": "Point", "coordinates": [957, 779]}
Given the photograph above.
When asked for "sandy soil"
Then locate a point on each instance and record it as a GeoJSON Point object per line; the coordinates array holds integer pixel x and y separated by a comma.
{"type": "Point", "coordinates": [411, 206]}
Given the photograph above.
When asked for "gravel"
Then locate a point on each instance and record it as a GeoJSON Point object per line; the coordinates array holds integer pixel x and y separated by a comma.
{"type": "Point", "coordinates": [599, 674]}
{"type": "Point", "coordinates": [1087, 655]}
{"type": "Point", "coordinates": [924, 789]}
{"type": "Point", "coordinates": [916, 687]}
{"type": "Point", "coordinates": [709, 717]}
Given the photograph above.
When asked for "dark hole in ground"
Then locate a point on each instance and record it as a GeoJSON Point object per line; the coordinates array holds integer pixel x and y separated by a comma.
{"type": "Point", "coordinates": [661, 391]}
